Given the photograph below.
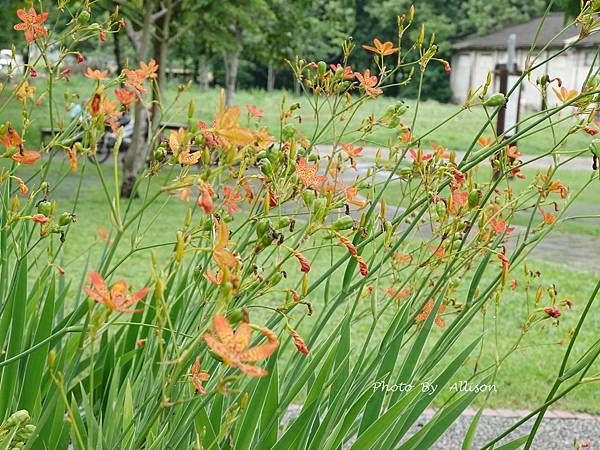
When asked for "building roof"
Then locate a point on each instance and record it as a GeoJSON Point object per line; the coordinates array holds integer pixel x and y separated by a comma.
{"type": "Point", "coordinates": [554, 23]}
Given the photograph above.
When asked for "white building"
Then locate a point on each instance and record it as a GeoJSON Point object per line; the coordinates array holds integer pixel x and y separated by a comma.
{"type": "Point", "coordinates": [475, 56]}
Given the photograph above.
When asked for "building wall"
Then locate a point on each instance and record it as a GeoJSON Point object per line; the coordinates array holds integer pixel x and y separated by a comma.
{"type": "Point", "coordinates": [470, 69]}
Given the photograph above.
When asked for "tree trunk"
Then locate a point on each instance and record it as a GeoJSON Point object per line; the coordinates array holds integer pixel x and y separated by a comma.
{"type": "Point", "coordinates": [296, 85]}
{"type": "Point", "coordinates": [232, 62]}
{"type": "Point", "coordinates": [161, 49]}
{"type": "Point", "coordinates": [136, 153]}
{"type": "Point", "coordinates": [270, 77]}
{"type": "Point", "coordinates": [204, 70]}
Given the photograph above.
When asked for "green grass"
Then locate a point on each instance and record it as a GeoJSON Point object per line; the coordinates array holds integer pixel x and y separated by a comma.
{"type": "Point", "coordinates": [524, 378]}
{"type": "Point", "coordinates": [455, 135]}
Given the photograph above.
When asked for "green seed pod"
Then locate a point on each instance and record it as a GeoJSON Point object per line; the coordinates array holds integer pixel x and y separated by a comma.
{"type": "Point", "coordinates": [262, 154]}
{"type": "Point", "coordinates": [65, 219]}
{"type": "Point", "coordinates": [191, 109]}
{"type": "Point", "coordinates": [266, 168]}
{"type": "Point", "coordinates": [45, 207]}
{"type": "Point", "coordinates": [321, 67]}
{"type": "Point", "coordinates": [235, 316]}
{"type": "Point", "coordinates": [595, 147]}
{"type": "Point", "coordinates": [474, 198]}
{"type": "Point", "coordinates": [283, 222]}
{"type": "Point", "coordinates": [344, 223]}
{"type": "Point", "coordinates": [83, 17]}
{"type": "Point", "coordinates": [320, 208]}
{"type": "Point", "coordinates": [275, 279]}
{"type": "Point", "coordinates": [159, 153]}
{"type": "Point", "coordinates": [309, 197]}
{"type": "Point", "coordinates": [339, 73]}
{"type": "Point", "coordinates": [262, 227]}
{"type": "Point", "coordinates": [495, 100]}
{"type": "Point", "coordinates": [440, 209]}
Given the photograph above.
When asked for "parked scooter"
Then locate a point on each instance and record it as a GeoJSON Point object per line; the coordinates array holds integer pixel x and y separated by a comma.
{"type": "Point", "coordinates": [109, 138]}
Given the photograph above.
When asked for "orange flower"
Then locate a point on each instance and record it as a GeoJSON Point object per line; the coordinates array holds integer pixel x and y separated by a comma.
{"type": "Point", "coordinates": [557, 186]}
{"type": "Point", "coordinates": [417, 155]}
{"type": "Point", "coordinates": [387, 48]}
{"type": "Point", "coordinates": [254, 111]}
{"type": "Point", "coordinates": [351, 150]}
{"type": "Point", "coordinates": [505, 266]}
{"type": "Point", "coordinates": [351, 193]}
{"type": "Point", "coordinates": [231, 197]}
{"type": "Point", "coordinates": [11, 139]}
{"type": "Point", "coordinates": [440, 151]}
{"type": "Point", "coordinates": [26, 156]}
{"type": "Point", "coordinates": [233, 347]}
{"type": "Point", "coordinates": [223, 257]}
{"type": "Point", "coordinates": [299, 342]}
{"type": "Point", "coordinates": [23, 189]}
{"type": "Point", "coordinates": [347, 75]}
{"type": "Point", "coordinates": [308, 174]}
{"type": "Point", "coordinates": [565, 95]}
{"type": "Point", "coordinates": [183, 194]}
{"type": "Point", "coordinates": [304, 265]}
{"type": "Point", "coordinates": [148, 70]}
{"type": "Point", "coordinates": [368, 82]}
{"type": "Point", "coordinates": [185, 157]}
{"type": "Point", "coordinates": [40, 218]}
{"type": "Point", "coordinates": [209, 275]}
{"type": "Point", "coordinates": [485, 141]}
{"type": "Point", "coordinates": [402, 258]}
{"type": "Point", "coordinates": [549, 218]}
{"type": "Point", "coordinates": [396, 295]}
{"type": "Point", "coordinates": [227, 129]}
{"type": "Point", "coordinates": [125, 97]}
{"type": "Point", "coordinates": [500, 226]}
{"type": "Point", "coordinates": [32, 24]}
{"type": "Point", "coordinates": [115, 298]}
{"type": "Point", "coordinates": [205, 198]}
{"type": "Point", "coordinates": [512, 152]}
{"type": "Point", "coordinates": [424, 314]}
{"type": "Point", "coordinates": [198, 376]}
{"type": "Point", "coordinates": [72, 158]}
{"type": "Point", "coordinates": [96, 75]}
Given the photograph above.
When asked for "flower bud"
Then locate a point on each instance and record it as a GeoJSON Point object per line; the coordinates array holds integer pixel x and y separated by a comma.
{"type": "Point", "coordinates": [83, 17]}
{"type": "Point", "coordinates": [283, 222]}
{"type": "Point", "coordinates": [497, 99]}
{"type": "Point", "coordinates": [309, 197]}
{"type": "Point", "coordinates": [474, 198]}
{"type": "Point", "coordinates": [344, 223]}
{"type": "Point", "coordinates": [66, 218]}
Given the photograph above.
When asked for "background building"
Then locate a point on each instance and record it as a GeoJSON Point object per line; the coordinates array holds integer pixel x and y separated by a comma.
{"type": "Point", "coordinates": [475, 56]}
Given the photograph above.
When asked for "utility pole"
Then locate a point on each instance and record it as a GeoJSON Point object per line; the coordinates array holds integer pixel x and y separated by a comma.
{"type": "Point", "coordinates": [509, 74]}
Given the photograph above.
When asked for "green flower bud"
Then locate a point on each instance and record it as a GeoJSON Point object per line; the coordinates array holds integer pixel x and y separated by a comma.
{"type": "Point", "coordinates": [440, 209]}
{"type": "Point", "coordinates": [16, 419]}
{"type": "Point", "coordinates": [595, 147]}
{"type": "Point", "coordinates": [262, 227]}
{"type": "Point", "coordinates": [321, 67]}
{"type": "Point", "coordinates": [159, 153]}
{"type": "Point", "coordinates": [309, 197]}
{"type": "Point", "coordinates": [495, 100]}
{"type": "Point", "coordinates": [235, 316]}
{"type": "Point", "coordinates": [266, 168]}
{"type": "Point", "coordinates": [83, 17]}
{"type": "Point", "coordinates": [344, 223]}
{"type": "Point", "coordinates": [474, 198]}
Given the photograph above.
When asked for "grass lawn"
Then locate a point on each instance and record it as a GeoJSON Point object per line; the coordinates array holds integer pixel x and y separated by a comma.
{"type": "Point", "coordinates": [455, 135]}
{"type": "Point", "coordinates": [524, 378]}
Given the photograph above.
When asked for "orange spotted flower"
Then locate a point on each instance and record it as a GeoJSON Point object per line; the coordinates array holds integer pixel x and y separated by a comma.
{"type": "Point", "coordinates": [396, 294]}
{"type": "Point", "coordinates": [232, 346]}
{"type": "Point", "coordinates": [31, 24]}
{"type": "Point", "coordinates": [485, 141]}
{"type": "Point", "coordinates": [424, 314]}
{"type": "Point", "coordinates": [347, 74]}
{"type": "Point", "coordinates": [308, 174]}
{"type": "Point", "coordinates": [198, 376]}
{"type": "Point", "coordinates": [11, 139]}
{"type": "Point", "coordinates": [368, 82]}
{"type": "Point", "coordinates": [116, 298]}
{"type": "Point", "coordinates": [382, 49]}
